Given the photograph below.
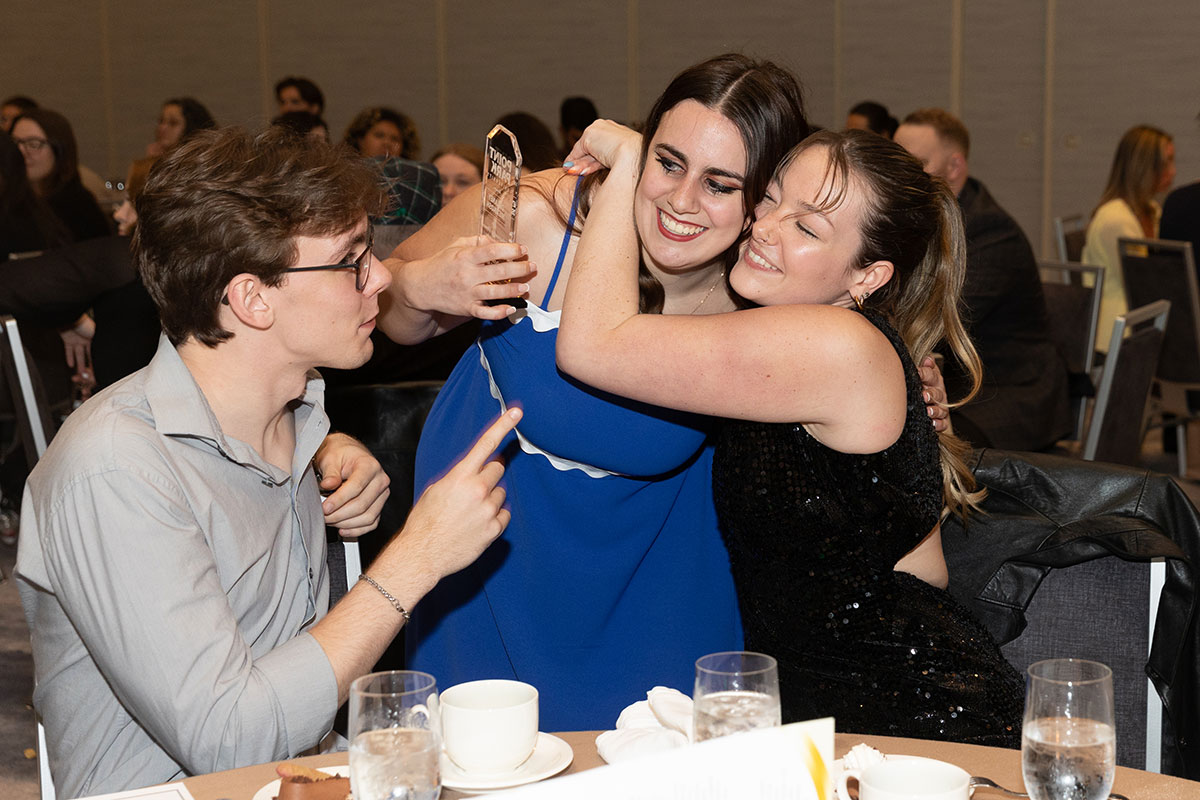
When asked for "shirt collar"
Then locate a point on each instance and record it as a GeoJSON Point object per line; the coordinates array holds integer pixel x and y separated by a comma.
{"type": "Point", "coordinates": [180, 410]}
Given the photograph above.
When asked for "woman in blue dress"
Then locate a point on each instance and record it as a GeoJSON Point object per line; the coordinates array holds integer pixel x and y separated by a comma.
{"type": "Point", "coordinates": [611, 577]}
{"type": "Point", "coordinates": [828, 492]}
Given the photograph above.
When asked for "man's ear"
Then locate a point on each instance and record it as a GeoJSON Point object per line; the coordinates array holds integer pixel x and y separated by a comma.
{"type": "Point", "coordinates": [247, 300]}
{"type": "Point", "coordinates": [956, 168]}
{"type": "Point", "coordinates": [871, 278]}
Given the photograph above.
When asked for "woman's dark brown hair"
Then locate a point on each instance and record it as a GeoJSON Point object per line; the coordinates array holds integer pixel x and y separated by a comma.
{"type": "Point", "coordinates": [62, 142]}
{"type": "Point", "coordinates": [763, 100]}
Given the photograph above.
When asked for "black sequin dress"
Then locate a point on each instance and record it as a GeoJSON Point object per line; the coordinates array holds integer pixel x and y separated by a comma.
{"type": "Point", "coordinates": [813, 536]}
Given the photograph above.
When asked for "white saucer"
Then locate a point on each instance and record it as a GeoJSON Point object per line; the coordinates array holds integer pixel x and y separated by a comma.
{"type": "Point", "coordinates": [270, 791]}
{"type": "Point", "coordinates": [551, 755]}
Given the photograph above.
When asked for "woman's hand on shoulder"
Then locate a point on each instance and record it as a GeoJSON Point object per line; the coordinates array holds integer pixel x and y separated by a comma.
{"type": "Point", "coordinates": [604, 144]}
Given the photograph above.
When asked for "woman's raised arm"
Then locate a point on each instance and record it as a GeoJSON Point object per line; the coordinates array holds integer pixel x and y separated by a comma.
{"type": "Point", "coordinates": [443, 274]}
{"type": "Point", "coordinates": [820, 365]}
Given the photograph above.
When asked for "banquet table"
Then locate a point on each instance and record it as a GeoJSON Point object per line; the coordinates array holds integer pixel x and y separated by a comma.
{"type": "Point", "coordinates": [1002, 766]}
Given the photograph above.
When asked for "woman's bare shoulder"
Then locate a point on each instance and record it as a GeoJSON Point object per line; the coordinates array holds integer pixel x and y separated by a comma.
{"type": "Point", "coordinates": [459, 217]}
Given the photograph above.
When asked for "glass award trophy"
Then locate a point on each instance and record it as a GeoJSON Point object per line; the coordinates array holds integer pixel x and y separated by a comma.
{"type": "Point", "coordinates": [501, 181]}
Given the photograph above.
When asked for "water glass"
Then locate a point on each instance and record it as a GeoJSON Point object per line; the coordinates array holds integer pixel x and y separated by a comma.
{"type": "Point", "coordinates": [735, 691]}
{"type": "Point", "coordinates": [1068, 741]}
{"type": "Point", "coordinates": [395, 736]}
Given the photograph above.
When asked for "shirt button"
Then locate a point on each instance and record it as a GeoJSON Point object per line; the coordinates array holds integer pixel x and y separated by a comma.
{"type": "Point", "coordinates": [310, 573]}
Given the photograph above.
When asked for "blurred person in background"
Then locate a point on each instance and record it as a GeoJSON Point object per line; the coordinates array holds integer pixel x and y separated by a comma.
{"type": "Point", "coordinates": [574, 115]}
{"type": "Point", "coordinates": [1142, 167]}
{"type": "Point", "coordinates": [382, 131]}
{"type": "Point", "coordinates": [299, 94]}
{"type": "Point", "coordinates": [1023, 402]}
{"type": "Point", "coordinates": [304, 123]}
{"type": "Point", "coordinates": [52, 165]}
{"type": "Point", "coordinates": [539, 151]}
{"type": "Point", "coordinates": [460, 167]}
{"type": "Point", "coordinates": [871, 116]}
{"type": "Point", "coordinates": [414, 187]}
{"type": "Point", "coordinates": [13, 107]}
{"type": "Point", "coordinates": [178, 119]}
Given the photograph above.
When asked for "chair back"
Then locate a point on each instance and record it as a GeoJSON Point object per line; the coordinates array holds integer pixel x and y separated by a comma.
{"type": "Point", "coordinates": [1087, 560]}
{"type": "Point", "coordinates": [1060, 624]}
{"type": "Point", "coordinates": [34, 419]}
{"type": "Point", "coordinates": [1070, 233]}
{"type": "Point", "coordinates": [387, 419]}
{"type": "Point", "coordinates": [1072, 293]}
{"type": "Point", "coordinates": [1118, 418]}
{"type": "Point", "coordinates": [1156, 269]}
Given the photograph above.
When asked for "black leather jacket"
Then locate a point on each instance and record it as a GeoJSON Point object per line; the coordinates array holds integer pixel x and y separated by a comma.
{"type": "Point", "coordinates": [1046, 512]}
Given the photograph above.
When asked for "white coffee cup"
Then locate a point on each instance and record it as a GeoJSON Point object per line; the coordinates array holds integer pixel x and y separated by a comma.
{"type": "Point", "coordinates": [907, 779]}
{"type": "Point", "coordinates": [489, 727]}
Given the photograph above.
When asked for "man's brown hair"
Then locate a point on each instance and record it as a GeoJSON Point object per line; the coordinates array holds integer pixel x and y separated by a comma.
{"type": "Point", "coordinates": [949, 127]}
{"type": "Point", "coordinates": [225, 202]}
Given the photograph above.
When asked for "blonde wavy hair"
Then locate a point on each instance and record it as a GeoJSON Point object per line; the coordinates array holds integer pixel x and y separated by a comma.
{"type": "Point", "coordinates": [911, 219]}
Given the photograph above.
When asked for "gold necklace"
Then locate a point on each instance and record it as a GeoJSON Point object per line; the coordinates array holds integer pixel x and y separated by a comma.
{"type": "Point", "coordinates": [708, 294]}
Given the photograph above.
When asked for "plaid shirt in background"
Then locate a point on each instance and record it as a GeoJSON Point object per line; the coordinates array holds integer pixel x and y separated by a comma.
{"type": "Point", "coordinates": [415, 191]}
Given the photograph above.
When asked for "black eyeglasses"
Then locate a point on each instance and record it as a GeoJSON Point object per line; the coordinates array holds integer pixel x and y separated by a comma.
{"type": "Point", "coordinates": [360, 265]}
{"type": "Point", "coordinates": [33, 144]}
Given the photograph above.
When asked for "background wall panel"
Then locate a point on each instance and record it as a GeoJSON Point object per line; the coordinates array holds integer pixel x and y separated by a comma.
{"type": "Point", "coordinates": [52, 51]}
{"type": "Point", "coordinates": [360, 54]}
{"type": "Point", "coordinates": [897, 54]}
{"type": "Point", "coordinates": [539, 54]}
{"type": "Point", "coordinates": [1117, 66]}
{"type": "Point", "coordinates": [1003, 86]}
{"type": "Point", "coordinates": [454, 66]}
{"type": "Point", "coordinates": [794, 35]}
{"type": "Point", "coordinates": [158, 51]}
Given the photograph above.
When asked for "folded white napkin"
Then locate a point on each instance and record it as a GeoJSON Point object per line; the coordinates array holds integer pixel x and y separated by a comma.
{"type": "Point", "coordinates": [662, 721]}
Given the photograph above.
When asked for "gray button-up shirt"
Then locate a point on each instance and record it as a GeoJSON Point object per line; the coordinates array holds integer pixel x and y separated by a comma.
{"type": "Point", "coordinates": [168, 574]}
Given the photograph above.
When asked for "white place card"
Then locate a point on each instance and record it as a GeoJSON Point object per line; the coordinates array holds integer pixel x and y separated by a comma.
{"type": "Point", "coordinates": [168, 791]}
{"type": "Point", "coordinates": [793, 762]}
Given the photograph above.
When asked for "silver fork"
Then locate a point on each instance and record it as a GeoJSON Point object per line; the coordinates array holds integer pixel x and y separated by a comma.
{"type": "Point", "coordinates": [977, 782]}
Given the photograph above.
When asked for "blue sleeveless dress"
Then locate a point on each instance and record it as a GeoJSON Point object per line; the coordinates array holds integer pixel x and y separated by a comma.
{"type": "Point", "coordinates": [611, 577]}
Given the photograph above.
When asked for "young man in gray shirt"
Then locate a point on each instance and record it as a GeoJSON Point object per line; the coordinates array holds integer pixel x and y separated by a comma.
{"type": "Point", "coordinates": [172, 551]}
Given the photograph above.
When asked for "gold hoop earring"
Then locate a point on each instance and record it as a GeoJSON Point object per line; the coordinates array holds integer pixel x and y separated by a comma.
{"type": "Point", "coordinates": [862, 298]}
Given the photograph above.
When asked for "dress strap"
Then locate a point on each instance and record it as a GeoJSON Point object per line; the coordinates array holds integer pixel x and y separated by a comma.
{"type": "Point", "coordinates": [562, 251]}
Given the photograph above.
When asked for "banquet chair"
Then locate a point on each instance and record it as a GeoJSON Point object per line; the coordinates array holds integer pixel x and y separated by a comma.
{"type": "Point", "coordinates": [387, 419]}
{"type": "Point", "coordinates": [1091, 560]}
{"type": "Point", "coordinates": [34, 418]}
{"type": "Point", "coordinates": [33, 421]}
{"type": "Point", "coordinates": [1072, 293]}
{"type": "Point", "coordinates": [1118, 422]}
{"type": "Point", "coordinates": [1070, 233]}
{"type": "Point", "coordinates": [1155, 269]}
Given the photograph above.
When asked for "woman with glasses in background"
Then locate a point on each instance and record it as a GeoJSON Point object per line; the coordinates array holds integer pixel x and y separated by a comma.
{"type": "Point", "coordinates": [52, 165]}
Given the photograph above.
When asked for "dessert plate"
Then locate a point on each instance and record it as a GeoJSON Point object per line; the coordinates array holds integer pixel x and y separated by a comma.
{"type": "Point", "coordinates": [269, 791]}
{"type": "Point", "coordinates": [551, 755]}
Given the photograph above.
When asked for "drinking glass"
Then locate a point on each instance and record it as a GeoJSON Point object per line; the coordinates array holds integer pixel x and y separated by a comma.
{"type": "Point", "coordinates": [395, 736]}
{"type": "Point", "coordinates": [1068, 741]}
{"type": "Point", "coordinates": [735, 691]}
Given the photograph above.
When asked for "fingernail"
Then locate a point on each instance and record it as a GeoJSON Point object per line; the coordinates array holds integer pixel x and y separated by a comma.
{"type": "Point", "coordinates": [568, 164]}
{"type": "Point", "coordinates": [930, 411]}
{"type": "Point", "coordinates": [523, 288]}
{"type": "Point", "coordinates": [926, 396]}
